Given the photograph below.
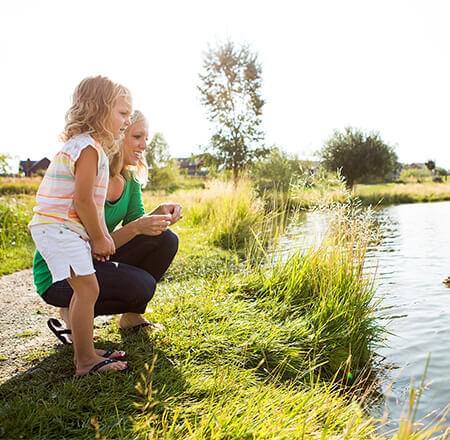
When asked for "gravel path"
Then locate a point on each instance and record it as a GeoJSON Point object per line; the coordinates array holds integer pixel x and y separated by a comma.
{"type": "Point", "coordinates": [23, 323]}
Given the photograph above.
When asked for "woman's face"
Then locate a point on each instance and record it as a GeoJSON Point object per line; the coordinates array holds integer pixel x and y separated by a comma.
{"type": "Point", "coordinates": [135, 143]}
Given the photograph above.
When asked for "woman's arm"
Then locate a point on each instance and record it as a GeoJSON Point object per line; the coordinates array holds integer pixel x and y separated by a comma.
{"type": "Point", "coordinates": [135, 222]}
{"type": "Point", "coordinates": [150, 224]}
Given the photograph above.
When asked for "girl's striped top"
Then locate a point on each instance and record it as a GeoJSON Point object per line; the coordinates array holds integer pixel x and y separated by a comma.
{"type": "Point", "coordinates": [54, 199]}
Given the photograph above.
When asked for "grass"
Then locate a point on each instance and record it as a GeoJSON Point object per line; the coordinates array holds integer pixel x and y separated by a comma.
{"type": "Point", "coordinates": [394, 193]}
{"type": "Point", "coordinates": [26, 334]}
{"type": "Point", "coordinates": [19, 185]}
{"type": "Point", "coordinates": [331, 191]}
{"type": "Point", "coordinates": [16, 246]}
{"type": "Point", "coordinates": [249, 351]}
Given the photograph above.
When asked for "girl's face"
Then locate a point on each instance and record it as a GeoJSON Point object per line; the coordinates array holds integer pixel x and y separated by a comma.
{"type": "Point", "coordinates": [135, 143]}
{"type": "Point", "coordinates": [120, 116]}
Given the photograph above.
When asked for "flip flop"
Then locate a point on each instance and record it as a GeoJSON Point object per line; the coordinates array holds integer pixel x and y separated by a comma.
{"type": "Point", "coordinates": [59, 331]}
{"type": "Point", "coordinates": [101, 364]}
{"type": "Point", "coordinates": [109, 351]}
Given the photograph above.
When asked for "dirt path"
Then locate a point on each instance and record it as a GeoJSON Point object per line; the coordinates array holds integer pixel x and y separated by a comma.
{"type": "Point", "coordinates": [23, 323]}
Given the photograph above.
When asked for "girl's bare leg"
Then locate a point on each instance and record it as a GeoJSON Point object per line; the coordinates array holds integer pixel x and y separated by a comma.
{"type": "Point", "coordinates": [81, 317]}
{"type": "Point", "coordinates": [64, 314]}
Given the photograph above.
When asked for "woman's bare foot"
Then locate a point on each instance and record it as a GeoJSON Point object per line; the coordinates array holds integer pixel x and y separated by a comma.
{"type": "Point", "coordinates": [83, 369]}
{"type": "Point", "coordinates": [135, 320]}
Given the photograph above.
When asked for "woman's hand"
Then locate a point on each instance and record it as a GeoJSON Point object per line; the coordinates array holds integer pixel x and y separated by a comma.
{"type": "Point", "coordinates": [172, 209]}
{"type": "Point", "coordinates": [153, 224]}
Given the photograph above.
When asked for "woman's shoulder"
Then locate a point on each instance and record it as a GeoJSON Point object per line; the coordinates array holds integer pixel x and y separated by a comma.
{"type": "Point", "coordinates": [131, 179]}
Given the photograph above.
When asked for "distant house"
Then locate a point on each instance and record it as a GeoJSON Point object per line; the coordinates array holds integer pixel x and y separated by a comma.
{"type": "Point", "coordinates": [30, 167]}
{"type": "Point", "coordinates": [192, 167]}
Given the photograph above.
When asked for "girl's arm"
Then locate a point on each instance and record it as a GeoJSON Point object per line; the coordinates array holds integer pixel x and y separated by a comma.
{"type": "Point", "coordinates": [85, 174]}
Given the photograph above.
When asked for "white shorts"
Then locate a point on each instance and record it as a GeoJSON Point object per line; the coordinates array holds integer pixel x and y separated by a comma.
{"type": "Point", "coordinates": [63, 249]}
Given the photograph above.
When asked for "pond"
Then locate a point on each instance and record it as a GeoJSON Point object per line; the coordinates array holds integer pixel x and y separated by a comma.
{"type": "Point", "coordinates": [411, 262]}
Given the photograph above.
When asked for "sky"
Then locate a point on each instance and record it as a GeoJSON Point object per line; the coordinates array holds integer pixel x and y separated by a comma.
{"type": "Point", "coordinates": [326, 64]}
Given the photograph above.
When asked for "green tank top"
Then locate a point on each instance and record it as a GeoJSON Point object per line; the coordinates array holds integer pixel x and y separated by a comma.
{"type": "Point", "coordinates": [127, 208]}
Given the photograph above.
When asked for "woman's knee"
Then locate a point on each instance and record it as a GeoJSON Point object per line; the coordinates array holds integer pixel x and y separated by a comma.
{"type": "Point", "coordinates": [85, 287]}
{"type": "Point", "coordinates": [142, 288]}
{"type": "Point", "coordinates": [170, 241]}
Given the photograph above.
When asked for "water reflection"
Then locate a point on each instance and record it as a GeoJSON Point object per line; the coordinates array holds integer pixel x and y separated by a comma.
{"type": "Point", "coordinates": [410, 263]}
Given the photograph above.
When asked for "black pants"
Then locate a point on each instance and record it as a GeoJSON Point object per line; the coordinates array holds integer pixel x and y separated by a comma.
{"type": "Point", "coordinates": [128, 281]}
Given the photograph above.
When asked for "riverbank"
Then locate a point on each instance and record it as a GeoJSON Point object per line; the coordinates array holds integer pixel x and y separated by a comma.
{"type": "Point", "coordinates": [398, 193]}
{"type": "Point", "coordinates": [249, 350]}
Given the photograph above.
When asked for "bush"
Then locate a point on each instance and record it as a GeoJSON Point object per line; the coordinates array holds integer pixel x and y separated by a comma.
{"type": "Point", "coordinates": [165, 178]}
{"type": "Point", "coordinates": [415, 174]}
{"type": "Point", "coordinates": [277, 171]}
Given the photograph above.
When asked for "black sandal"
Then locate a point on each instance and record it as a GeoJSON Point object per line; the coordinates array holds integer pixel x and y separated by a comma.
{"type": "Point", "coordinates": [59, 331]}
{"type": "Point", "coordinates": [109, 351]}
{"type": "Point", "coordinates": [101, 364]}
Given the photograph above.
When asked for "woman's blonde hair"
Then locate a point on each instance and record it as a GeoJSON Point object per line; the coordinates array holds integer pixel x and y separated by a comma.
{"type": "Point", "coordinates": [139, 171]}
{"type": "Point", "coordinates": [92, 104]}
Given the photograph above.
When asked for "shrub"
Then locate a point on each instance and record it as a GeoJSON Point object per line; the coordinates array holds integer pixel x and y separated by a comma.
{"type": "Point", "coordinates": [165, 178]}
{"type": "Point", "coordinates": [277, 171]}
{"type": "Point", "coordinates": [415, 174]}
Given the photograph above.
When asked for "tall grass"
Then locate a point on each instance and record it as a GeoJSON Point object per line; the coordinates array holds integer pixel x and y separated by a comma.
{"type": "Point", "coordinates": [233, 216]}
{"type": "Point", "coordinates": [326, 289]}
{"type": "Point", "coordinates": [16, 247]}
{"type": "Point", "coordinates": [19, 185]}
{"type": "Point", "coordinates": [394, 193]}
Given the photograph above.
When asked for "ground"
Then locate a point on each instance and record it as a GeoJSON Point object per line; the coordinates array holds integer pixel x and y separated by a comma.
{"type": "Point", "coordinates": [23, 324]}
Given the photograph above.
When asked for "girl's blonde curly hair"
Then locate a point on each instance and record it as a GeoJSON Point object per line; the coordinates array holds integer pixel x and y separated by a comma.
{"type": "Point", "coordinates": [92, 104]}
{"type": "Point", "coordinates": [140, 171]}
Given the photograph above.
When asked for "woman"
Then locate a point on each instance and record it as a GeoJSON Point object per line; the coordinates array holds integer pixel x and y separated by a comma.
{"type": "Point", "coordinates": [145, 247]}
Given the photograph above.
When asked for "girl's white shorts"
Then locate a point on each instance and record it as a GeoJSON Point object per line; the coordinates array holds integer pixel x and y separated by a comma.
{"type": "Point", "coordinates": [63, 249]}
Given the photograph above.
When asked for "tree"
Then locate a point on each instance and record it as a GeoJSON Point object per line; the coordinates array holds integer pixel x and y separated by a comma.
{"type": "Point", "coordinates": [163, 173]}
{"type": "Point", "coordinates": [431, 165]}
{"type": "Point", "coordinates": [359, 155]}
{"type": "Point", "coordinates": [157, 151]}
{"type": "Point", "coordinates": [4, 164]}
{"type": "Point", "coordinates": [230, 91]}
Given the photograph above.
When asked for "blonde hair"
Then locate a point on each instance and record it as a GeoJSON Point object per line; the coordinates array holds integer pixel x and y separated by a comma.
{"type": "Point", "coordinates": [139, 171]}
{"type": "Point", "coordinates": [92, 104]}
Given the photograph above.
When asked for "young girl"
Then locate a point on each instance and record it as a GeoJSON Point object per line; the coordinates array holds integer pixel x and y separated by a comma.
{"type": "Point", "coordinates": [68, 224]}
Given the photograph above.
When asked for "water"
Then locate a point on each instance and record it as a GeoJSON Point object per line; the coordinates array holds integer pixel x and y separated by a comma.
{"type": "Point", "coordinates": [411, 262]}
